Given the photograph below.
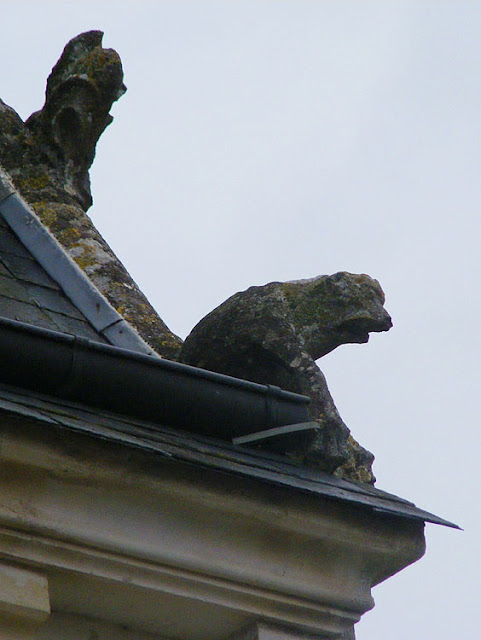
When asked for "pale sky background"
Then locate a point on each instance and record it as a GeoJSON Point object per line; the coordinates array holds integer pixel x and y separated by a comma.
{"type": "Point", "coordinates": [277, 140]}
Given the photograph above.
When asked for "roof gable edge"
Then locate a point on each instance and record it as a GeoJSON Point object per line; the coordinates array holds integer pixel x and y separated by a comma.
{"type": "Point", "coordinates": [76, 285]}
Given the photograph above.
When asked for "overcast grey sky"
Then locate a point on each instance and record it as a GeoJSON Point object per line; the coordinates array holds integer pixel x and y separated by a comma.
{"type": "Point", "coordinates": [276, 140]}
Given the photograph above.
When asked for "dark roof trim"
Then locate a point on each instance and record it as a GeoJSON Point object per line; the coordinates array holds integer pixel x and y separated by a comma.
{"type": "Point", "coordinates": [203, 452]}
{"type": "Point", "coordinates": [45, 248]}
{"type": "Point", "coordinates": [138, 385]}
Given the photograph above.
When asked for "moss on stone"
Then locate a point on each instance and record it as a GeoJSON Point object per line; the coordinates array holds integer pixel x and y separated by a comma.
{"type": "Point", "coordinates": [69, 236]}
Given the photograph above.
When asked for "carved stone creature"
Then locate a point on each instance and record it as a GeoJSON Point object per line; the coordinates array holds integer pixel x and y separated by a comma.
{"type": "Point", "coordinates": [48, 158]}
{"type": "Point", "coordinates": [270, 334]}
{"type": "Point", "coordinates": [273, 334]}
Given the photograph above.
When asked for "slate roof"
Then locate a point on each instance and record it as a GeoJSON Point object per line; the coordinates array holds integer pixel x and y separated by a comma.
{"type": "Point", "coordinates": [30, 295]}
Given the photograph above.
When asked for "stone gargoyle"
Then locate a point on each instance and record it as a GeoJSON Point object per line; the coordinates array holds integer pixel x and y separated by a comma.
{"type": "Point", "coordinates": [273, 334]}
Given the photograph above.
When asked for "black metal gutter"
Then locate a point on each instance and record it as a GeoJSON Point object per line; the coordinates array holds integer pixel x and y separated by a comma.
{"type": "Point", "coordinates": [45, 248]}
{"type": "Point", "coordinates": [138, 385]}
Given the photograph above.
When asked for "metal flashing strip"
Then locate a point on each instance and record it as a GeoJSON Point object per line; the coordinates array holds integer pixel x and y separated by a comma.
{"type": "Point", "coordinates": [275, 434]}
{"type": "Point", "coordinates": [76, 285]}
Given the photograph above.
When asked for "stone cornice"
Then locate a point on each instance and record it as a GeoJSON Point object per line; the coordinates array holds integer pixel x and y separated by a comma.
{"type": "Point", "coordinates": [101, 520]}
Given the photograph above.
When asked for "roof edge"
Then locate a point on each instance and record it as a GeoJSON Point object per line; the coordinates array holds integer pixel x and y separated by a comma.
{"type": "Point", "coordinates": [204, 452]}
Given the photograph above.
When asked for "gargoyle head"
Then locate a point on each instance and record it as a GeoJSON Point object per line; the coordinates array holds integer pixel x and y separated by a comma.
{"type": "Point", "coordinates": [332, 310]}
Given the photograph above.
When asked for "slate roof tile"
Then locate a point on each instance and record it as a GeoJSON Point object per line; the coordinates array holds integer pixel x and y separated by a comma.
{"type": "Point", "coordinates": [9, 243]}
{"type": "Point", "coordinates": [24, 312]}
{"type": "Point", "coordinates": [67, 324]}
{"type": "Point", "coordinates": [51, 300]}
{"type": "Point", "coordinates": [24, 268]}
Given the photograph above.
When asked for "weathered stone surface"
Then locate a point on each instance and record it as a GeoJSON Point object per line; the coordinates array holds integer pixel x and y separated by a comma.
{"type": "Point", "coordinates": [48, 158]}
{"type": "Point", "coordinates": [273, 334]}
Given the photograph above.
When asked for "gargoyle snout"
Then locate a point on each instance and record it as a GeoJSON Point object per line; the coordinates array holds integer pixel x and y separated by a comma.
{"type": "Point", "coordinates": [380, 321]}
{"type": "Point", "coordinates": [357, 327]}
